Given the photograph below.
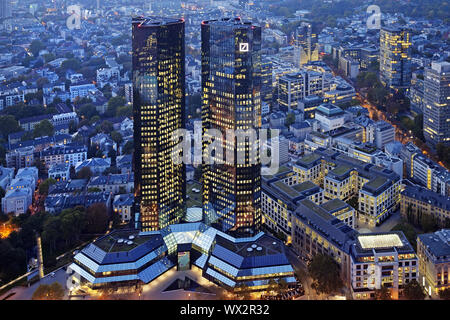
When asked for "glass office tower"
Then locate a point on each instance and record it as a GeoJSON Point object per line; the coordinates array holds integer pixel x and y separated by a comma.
{"type": "Point", "coordinates": [266, 81]}
{"type": "Point", "coordinates": [436, 111]}
{"type": "Point", "coordinates": [395, 57]}
{"type": "Point", "coordinates": [158, 110]}
{"type": "Point", "coordinates": [231, 84]}
{"type": "Point", "coordinates": [306, 46]}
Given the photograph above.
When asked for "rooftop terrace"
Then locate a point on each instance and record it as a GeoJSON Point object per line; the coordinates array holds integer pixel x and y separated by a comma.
{"type": "Point", "coordinates": [121, 241]}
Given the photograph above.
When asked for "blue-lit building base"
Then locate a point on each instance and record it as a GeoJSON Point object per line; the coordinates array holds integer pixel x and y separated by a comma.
{"type": "Point", "coordinates": [130, 257]}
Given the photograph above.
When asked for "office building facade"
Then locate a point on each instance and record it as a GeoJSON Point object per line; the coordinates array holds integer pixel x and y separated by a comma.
{"type": "Point", "coordinates": [436, 110]}
{"type": "Point", "coordinates": [231, 84]}
{"type": "Point", "coordinates": [433, 250]}
{"type": "Point", "coordinates": [5, 9]}
{"type": "Point", "coordinates": [293, 87]}
{"type": "Point", "coordinates": [158, 109]}
{"type": "Point", "coordinates": [306, 47]}
{"type": "Point", "coordinates": [382, 260]}
{"type": "Point", "coordinates": [395, 58]}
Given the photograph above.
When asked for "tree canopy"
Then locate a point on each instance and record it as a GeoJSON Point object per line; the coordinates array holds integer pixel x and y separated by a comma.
{"type": "Point", "coordinates": [44, 186]}
{"type": "Point", "coordinates": [445, 294]}
{"type": "Point", "coordinates": [290, 119]}
{"type": "Point", "coordinates": [97, 218]}
{"type": "Point", "coordinates": [52, 291]}
{"type": "Point", "coordinates": [84, 173]}
{"type": "Point", "coordinates": [382, 294]}
{"type": "Point", "coordinates": [324, 271]}
{"type": "Point", "coordinates": [43, 128]}
{"type": "Point", "coordinates": [36, 46]}
{"type": "Point", "coordinates": [413, 291]}
{"type": "Point", "coordinates": [8, 124]}
{"type": "Point", "coordinates": [87, 111]}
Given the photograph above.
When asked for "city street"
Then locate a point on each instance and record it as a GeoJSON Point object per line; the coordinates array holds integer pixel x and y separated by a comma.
{"type": "Point", "coordinates": [301, 268]}
{"type": "Point", "coordinates": [26, 293]}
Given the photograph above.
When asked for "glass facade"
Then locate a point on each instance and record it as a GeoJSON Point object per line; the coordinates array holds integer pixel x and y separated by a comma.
{"type": "Point", "coordinates": [436, 112]}
{"type": "Point", "coordinates": [224, 259]}
{"type": "Point", "coordinates": [231, 84]}
{"type": "Point", "coordinates": [158, 110]}
{"type": "Point", "coordinates": [395, 58]}
{"type": "Point", "coordinates": [305, 45]}
{"type": "Point", "coordinates": [266, 81]}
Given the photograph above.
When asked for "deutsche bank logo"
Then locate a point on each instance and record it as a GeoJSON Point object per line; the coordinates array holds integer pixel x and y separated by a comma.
{"type": "Point", "coordinates": [243, 47]}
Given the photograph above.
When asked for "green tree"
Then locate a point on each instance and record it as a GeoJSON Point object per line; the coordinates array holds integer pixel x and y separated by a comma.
{"type": "Point", "coordinates": [198, 173]}
{"type": "Point", "coordinates": [445, 294]}
{"type": "Point", "coordinates": [128, 148]}
{"type": "Point", "coordinates": [94, 120]}
{"type": "Point", "coordinates": [52, 291]}
{"type": "Point", "coordinates": [51, 234]}
{"type": "Point", "coordinates": [290, 119]}
{"type": "Point", "coordinates": [117, 137]}
{"type": "Point", "coordinates": [88, 73]}
{"type": "Point", "coordinates": [106, 126]}
{"type": "Point", "coordinates": [44, 186]}
{"type": "Point", "coordinates": [354, 202]}
{"type": "Point", "coordinates": [443, 152]}
{"type": "Point", "coordinates": [43, 128]}
{"type": "Point", "coordinates": [87, 111]}
{"type": "Point", "coordinates": [113, 104]}
{"type": "Point", "coordinates": [272, 286]}
{"type": "Point", "coordinates": [413, 291]}
{"type": "Point", "coordinates": [36, 46]}
{"type": "Point", "coordinates": [283, 286]}
{"type": "Point", "coordinates": [12, 260]}
{"type": "Point", "coordinates": [84, 173]}
{"type": "Point", "coordinates": [41, 82]}
{"type": "Point", "coordinates": [409, 232]}
{"type": "Point", "coordinates": [73, 222]}
{"type": "Point", "coordinates": [428, 223]}
{"type": "Point", "coordinates": [8, 124]}
{"type": "Point", "coordinates": [96, 218]}
{"type": "Point", "coordinates": [73, 64]}
{"type": "Point", "coordinates": [324, 271]}
{"type": "Point", "coordinates": [382, 294]}
{"type": "Point", "coordinates": [48, 57]}
{"type": "Point", "coordinates": [124, 111]}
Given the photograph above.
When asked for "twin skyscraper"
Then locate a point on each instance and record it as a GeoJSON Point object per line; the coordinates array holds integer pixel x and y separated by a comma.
{"type": "Point", "coordinates": [231, 100]}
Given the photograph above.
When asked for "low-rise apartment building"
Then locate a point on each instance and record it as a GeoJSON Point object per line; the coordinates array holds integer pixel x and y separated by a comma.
{"type": "Point", "coordinates": [316, 231]}
{"type": "Point", "coordinates": [382, 260]}
{"type": "Point", "coordinates": [123, 205]}
{"type": "Point", "coordinates": [433, 250]}
{"type": "Point", "coordinates": [279, 198]}
{"type": "Point", "coordinates": [415, 200]}
{"type": "Point", "coordinates": [64, 153]}
{"type": "Point", "coordinates": [343, 177]}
